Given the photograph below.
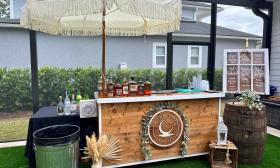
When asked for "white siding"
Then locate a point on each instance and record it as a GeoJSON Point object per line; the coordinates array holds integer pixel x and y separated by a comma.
{"type": "Point", "coordinates": [275, 51]}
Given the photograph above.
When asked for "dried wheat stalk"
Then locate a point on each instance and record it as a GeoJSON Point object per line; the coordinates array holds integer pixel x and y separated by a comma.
{"type": "Point", "coordinates": [107, 147]}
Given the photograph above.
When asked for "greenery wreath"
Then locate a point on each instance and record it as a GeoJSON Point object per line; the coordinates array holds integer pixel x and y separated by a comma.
{"type": "Point", "coordinates": [145, 140]}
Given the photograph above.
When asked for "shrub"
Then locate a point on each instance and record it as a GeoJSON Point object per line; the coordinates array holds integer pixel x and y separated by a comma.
{"type": "Point", "coordinates": [15, 90]}
{"type": "Point", "coordinates": [15, 84]}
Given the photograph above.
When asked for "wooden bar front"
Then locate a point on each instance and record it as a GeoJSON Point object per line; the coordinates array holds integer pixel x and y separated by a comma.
{"type": "Point", "coordinates": [123, 120]}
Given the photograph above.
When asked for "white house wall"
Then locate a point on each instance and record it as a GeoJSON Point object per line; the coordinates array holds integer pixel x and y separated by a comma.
{"type": "Point", "coordinates": [14, 48]}
{"type": "Point", "coordinates": [275, 50]}
{"type": "Point", "coordinates": [70, 52]}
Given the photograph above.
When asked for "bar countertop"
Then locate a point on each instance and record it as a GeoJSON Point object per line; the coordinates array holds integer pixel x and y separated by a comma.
{"type": "Point", "coordinates": [160, 97]}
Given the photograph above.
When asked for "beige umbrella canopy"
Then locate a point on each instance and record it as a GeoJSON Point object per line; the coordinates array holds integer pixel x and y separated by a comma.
{"type": "Point", "coordinates": [102, 17]}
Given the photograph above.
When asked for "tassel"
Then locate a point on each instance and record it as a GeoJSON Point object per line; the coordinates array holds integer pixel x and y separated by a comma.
{"type": "Point", "coordinates": [45, 16]}
{"type": "Point", "coordinates": [227, 160]}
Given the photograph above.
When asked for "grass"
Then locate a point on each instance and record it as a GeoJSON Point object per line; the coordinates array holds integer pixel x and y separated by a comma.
{"type": "Point", "coordinates": [14, 158]}
{"type": "Point", "coordinates": [13, 128]}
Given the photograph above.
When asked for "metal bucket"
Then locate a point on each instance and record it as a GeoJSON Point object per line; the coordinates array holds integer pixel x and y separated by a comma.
{"type": "Point", "coordinates": [57, 146]}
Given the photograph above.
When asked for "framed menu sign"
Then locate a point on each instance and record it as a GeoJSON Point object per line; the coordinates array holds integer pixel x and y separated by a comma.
{"type": "Point", "coordinates": [259, 78]}
{"type": "Point", "coordinates": [232, 75]}
{"type": "Point", "coordinates": [246, 70]}
{"type": "Point", "coordinates": [245, 78]}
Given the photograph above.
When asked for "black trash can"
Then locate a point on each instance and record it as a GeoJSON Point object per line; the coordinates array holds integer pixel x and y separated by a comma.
{"type": "Point", "coordinates": [57, 146]}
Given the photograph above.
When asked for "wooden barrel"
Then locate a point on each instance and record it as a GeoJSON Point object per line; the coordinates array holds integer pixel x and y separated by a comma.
{"type": "Point", "coordinates": [247, 129]}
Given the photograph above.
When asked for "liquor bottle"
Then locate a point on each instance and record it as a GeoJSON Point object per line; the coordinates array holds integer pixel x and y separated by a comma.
{"type": "Point", "coordinates": [133, 87]}
{"type": "Point", "coordinates": [78, 97]}
{"type": "Point", "coordinates": [60, 106]}
{"type": "Point", "coordinates": [147, 88]}
{"type": "Point", "coordinates": [190, 84]}
{"type": "Point", "coordinates": [100, 86]}
{"type": "Point", "coordinates": [140, 91]}
{"type": "Point", "coordinates": [118, 89]}
{"type": "Point", "coordinates": [110, 87]}
{"type": "Point", "coordinates": [104, 86]}
{"type": "Point", "coordinates": [125, 90]}
{"type": "Point", "coordinates": [67, 104]}
{"type": "Point", "coordinates": [74, 106]}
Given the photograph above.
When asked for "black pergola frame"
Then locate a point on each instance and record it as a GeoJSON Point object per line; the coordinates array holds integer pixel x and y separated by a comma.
{"type": "Point", "coordinates": [254, 4]}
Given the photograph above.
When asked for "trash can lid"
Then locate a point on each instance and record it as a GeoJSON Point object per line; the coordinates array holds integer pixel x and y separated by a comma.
{"type": "Point", "coordinates": [56, 135]}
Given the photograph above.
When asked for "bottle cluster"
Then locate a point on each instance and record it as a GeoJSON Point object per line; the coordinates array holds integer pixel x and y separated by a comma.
{"type": "Point", "coordinates": [124, 89]}
{"type": "Point", "coordinates": [69, 106]}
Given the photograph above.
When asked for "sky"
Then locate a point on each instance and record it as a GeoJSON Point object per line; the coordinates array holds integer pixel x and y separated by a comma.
{"type": "Point", "coordinates": [239, 18]}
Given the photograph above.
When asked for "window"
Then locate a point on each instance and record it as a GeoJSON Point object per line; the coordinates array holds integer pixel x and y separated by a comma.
{"type": "Point", "coordinates": [194, 56]}
{"type": "Point", "coordinates": [188, 14]}
{"type": "Point", "coordinates": [159, 55]}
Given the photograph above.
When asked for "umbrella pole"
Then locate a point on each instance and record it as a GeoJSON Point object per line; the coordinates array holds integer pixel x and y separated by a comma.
{"type": "Point", "coordinates": [103, 53]}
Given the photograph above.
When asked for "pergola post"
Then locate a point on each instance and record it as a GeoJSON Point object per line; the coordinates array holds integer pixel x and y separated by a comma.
{"type": "Point", "coordinates": [34, 70]}
{"type": "Point", "coordinates": [267, 27]}
{"type": "Point", "coordinates": [212, 48]}
{"type": "Point", "coordinates": [269, 32]}
{"type": "Point", "coordinates": [169, 67]}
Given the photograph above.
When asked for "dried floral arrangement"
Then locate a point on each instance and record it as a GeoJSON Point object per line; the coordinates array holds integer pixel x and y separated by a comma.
{"type": "Point", "coordinates": [106, 147]}
{"type": "Point", "coordinates": [145, 140]}
{"type": "Point", "coordinates": [250, 99]}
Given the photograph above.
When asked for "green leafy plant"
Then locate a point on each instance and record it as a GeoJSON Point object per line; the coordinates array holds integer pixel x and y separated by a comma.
{"type": "Point", "coordinates": [250, 99]}
{"type": "Point", "coordinates": [4, 9]}
{"type": "Point", "coordinates": [15, 84]}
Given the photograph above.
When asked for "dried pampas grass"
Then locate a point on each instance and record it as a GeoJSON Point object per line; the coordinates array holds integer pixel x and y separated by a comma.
{"type": "Point", "coordinates": [106, 147]}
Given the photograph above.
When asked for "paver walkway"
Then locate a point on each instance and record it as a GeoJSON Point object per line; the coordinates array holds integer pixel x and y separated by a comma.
{"type": "Point", "coordinates": [273, 131]}
{"type": "Point", "coordinates": [12, 144]}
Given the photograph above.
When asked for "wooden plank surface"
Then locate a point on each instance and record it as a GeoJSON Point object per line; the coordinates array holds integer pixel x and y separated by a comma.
{"type": "Point", "coordinates": [123, 120]}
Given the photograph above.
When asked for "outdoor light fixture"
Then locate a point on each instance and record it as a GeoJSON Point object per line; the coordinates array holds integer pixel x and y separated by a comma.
{"type": "Point", "coordinates": [222, 132]}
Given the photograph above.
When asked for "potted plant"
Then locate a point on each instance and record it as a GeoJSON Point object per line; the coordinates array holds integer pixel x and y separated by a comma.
{"type": "Point", "coordinates": [251, 100]}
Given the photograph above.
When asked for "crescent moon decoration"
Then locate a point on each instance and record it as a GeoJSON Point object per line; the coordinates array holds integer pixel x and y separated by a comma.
{"type": "Point", "coordinates": [181, 123]}
{"type": "Point", "coordinates": [163, 133]}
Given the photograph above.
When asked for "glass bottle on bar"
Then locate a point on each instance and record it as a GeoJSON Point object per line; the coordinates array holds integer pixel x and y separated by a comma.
{"type": "Point", "coordinates": [67, 105]}
{"type": "Point", "coordinates": [118, 89]}
{"type": "Point", "coordinates": [78, 97]}
{"type": "Point", "coordinates": [60, 106]}
{"type": "Point", "coordinates": [105, 85]}
{"type": "Point", "coordinates": [110, 87]}
{"type": "Point", "coordinates": [100, 86]}
{"type": "Point", "coordinates": [125, 90]}
{"type": "Point", "coordinates": [73, 106]}
{"type": "Point", "coordinates": [133, 87]}
{"type": "Point", "coordinates": [147, 88]}
{"type": "Point", "coordinates": [140, 91]}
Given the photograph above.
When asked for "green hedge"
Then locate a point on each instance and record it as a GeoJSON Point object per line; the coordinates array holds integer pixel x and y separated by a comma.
{"type": "Point", "coordinates": [15, 84]}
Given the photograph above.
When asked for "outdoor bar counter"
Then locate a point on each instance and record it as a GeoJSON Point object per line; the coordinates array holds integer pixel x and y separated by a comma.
{"type": "Point", "coordinates": [165, 121]}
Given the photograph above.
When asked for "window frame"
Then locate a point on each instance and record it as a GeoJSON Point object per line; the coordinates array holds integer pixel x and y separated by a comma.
{"type": "Point", "coordinates": [11, 9]}
{"type": "Point", "coordinates": [194, 14]}
{"type": "Point", "coordinates": [199, 65]}
{"type": "Point", "coordinates": [155, 45]}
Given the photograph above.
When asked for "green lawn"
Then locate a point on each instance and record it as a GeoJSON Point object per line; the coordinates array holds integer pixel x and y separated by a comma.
{"type": "Point", "coordinates": [13, 128]}
{"type": "Point", "coordinates": [13, 158]}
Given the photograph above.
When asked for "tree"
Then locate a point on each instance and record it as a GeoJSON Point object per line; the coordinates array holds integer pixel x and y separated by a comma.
{"type": "Point", "coordinates": [4, 9]}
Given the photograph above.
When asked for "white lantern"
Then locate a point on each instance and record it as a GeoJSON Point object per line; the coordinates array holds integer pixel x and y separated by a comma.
{"type": "Point", "coordinates": [222, 132]}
